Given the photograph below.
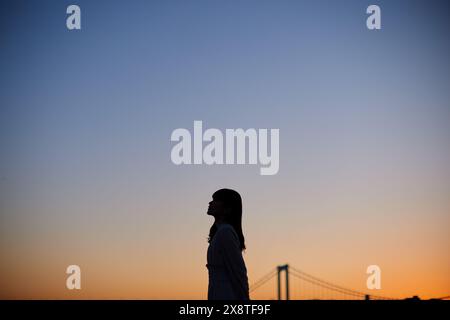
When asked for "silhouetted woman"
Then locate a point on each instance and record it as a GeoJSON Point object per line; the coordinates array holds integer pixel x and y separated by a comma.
{"type": "Point", "coordinates": [226, 266]}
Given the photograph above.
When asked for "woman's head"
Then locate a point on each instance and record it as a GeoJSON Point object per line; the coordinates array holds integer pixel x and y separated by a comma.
{"type": "Point", "coordinates": [226, 206]}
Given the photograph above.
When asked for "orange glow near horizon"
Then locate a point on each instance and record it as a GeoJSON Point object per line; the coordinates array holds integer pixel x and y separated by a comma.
{"type": "Point", "coordinates": [130, 270]}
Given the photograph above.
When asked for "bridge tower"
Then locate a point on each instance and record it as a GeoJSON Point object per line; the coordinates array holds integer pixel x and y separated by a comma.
{"type": "Point", "coordinates": [280, 269]}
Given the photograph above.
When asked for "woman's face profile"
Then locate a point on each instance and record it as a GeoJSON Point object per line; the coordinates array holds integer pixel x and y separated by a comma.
{"type": "Point", "coordinates": [216, 208]}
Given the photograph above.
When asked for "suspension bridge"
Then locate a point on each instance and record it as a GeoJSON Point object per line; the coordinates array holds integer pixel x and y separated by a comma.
{"type": "Point", "coordinates": [309, 287]}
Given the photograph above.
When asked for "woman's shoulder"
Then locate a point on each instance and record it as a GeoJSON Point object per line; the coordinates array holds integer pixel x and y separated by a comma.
{"type": "Point", "coordinates": [225, 226]}
{"type": "Point", "coordinates": [226, 230]}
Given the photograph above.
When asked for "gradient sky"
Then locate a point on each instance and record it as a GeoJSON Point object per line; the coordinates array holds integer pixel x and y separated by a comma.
{"type": "Point", "coordinates": [85, 123]}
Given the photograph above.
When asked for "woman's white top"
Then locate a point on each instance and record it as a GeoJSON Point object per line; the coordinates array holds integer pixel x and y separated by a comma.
{"type": "Point", "coordinates": [226, 267]}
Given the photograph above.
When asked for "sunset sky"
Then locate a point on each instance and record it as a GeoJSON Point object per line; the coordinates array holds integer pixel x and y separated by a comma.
{"type": "Point", "coordinates": [86, 117]}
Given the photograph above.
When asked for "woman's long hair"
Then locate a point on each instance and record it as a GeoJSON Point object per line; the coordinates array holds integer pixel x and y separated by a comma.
{"type": "Point", "coordinates": [231, 200]}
